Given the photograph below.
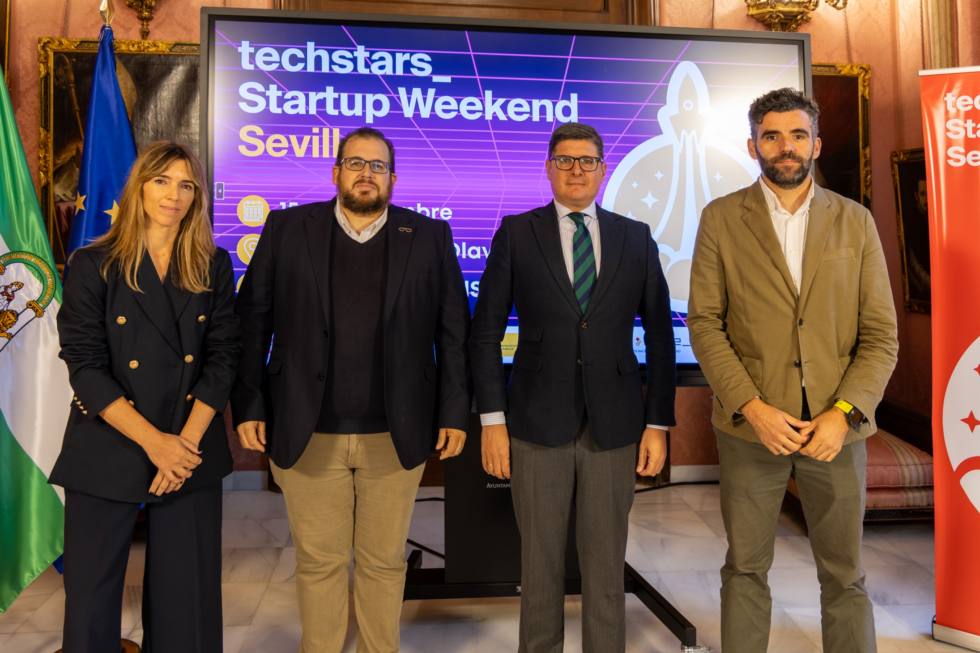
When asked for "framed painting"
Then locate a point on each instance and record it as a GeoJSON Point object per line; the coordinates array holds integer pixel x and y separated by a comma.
{"type": "Point", "coordinates": [4, 35]}
{"type": "Point", "coordinates": [844, 166]}
{"type": "Point", "coordinates": [912, 212]}
{"type": "Point", "coordinates": [159, 84]}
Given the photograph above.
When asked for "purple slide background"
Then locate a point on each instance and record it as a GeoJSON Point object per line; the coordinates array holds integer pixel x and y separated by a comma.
{"type": "Point", "coordinates": [480, 169]}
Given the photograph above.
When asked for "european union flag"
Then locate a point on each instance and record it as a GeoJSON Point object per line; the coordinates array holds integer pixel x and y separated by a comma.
{"type": "Point", "coordinates": [108, 153]}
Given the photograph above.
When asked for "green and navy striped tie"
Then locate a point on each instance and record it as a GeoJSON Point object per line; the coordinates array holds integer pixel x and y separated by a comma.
{"type": "Point", "coordinates": [583, 257]}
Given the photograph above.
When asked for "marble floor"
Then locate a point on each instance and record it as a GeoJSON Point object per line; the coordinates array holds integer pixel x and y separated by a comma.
{"type": "Point", "coordinates": [676, 541]}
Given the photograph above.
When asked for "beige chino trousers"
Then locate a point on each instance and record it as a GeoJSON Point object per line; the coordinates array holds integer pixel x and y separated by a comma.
{"type": "Point", "coordinates": [349, 493]}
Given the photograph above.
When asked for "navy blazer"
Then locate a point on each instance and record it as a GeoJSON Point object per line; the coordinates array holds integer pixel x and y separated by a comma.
{"type": "Point", "coordinates": [285, 300]}
{"type": "Point", "coordinates": [569, 365]}
{"type": "Point", "coordinates": [160, 349]}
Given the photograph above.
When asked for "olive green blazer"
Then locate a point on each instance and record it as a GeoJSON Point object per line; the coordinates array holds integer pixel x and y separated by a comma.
{"type": "Point", "coordinates": [755, 335]}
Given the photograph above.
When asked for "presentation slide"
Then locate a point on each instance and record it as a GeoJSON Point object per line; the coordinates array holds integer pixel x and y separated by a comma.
{"type": "Point", "coordinates": [470, 111]}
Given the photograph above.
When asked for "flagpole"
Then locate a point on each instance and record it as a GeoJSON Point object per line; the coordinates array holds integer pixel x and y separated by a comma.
{"type": "Point", "coordinates": [107, 11]}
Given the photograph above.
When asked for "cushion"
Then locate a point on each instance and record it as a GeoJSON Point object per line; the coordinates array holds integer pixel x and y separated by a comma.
{"type": "Point", "coordinates": [885, 498]}
{"type": "Point", "coordinates": [894, 463]}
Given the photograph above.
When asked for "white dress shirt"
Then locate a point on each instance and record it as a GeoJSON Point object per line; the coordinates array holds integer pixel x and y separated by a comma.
{"type": "Point", "coordinates": [790, 229]}
{"type": "Point", "coordinates": [566, 230]}
{"type": "Point", "coordinates": [367, 233]}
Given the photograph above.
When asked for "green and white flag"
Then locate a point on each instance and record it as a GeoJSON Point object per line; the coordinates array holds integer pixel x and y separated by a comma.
{"type": "Point", "coordinates": [34, 390]}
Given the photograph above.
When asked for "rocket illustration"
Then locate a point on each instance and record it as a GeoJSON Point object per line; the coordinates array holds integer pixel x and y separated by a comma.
{"type": "Point", "coordinates": [667, 180]}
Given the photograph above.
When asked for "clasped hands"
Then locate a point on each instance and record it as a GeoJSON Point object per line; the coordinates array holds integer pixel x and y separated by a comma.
{"type": "Point", "coordinates": [175, 457]}
{"type": "Point", "coordinates": [782, 434]}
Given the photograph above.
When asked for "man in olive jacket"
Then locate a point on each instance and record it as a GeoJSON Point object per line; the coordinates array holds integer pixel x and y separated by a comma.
{"type": "Point", "coordinates": [792, 320]}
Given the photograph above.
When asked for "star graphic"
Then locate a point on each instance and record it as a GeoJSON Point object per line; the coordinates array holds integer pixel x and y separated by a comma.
{"type": "Point", "coordinates": [971, 421]}
{"type": "Point", "coordinates": [80, 202]}
{"type": "Point", "coordinates": [659, 175]}
{"type": "Point", "coordinates": [113, 212]}
{"type": "Point", "coordinates": [977, 369]}
{"type": "Point", "coordinates": [629, 214]}
{"type": "Point", "coordinates": [635, 184]}
{"type": "Point", "coordinates": [718, 176]}
{"type": "Point", "coordinates": [649, 200]}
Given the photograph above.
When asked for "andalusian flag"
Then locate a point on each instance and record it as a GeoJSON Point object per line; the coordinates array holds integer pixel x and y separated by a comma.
{"type": "Point", "coordinates": [34, 390]}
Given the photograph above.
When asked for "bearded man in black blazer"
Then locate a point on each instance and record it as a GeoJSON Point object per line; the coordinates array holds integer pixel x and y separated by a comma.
{"type": "Point", "coordinates": [566, 432]}
{"type": "Point", "coordinates": [364, 305]}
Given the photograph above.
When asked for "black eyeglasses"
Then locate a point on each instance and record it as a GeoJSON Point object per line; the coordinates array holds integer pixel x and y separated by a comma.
{"type": "Point", "coordinates": [356, 164]}
{"type": "Point", "coordinates": [587, 163]}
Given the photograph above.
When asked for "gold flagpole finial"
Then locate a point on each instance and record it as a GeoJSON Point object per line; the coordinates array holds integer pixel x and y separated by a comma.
{"type": "Point", "coordinates": [107, 11]}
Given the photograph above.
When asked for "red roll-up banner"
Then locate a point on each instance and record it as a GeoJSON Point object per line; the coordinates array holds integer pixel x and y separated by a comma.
{"type": "Point", "coordinates": [951, 128]}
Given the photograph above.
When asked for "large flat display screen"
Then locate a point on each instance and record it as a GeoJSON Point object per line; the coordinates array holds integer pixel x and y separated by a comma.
{"type": "Point", "coordinates": [470, 109]}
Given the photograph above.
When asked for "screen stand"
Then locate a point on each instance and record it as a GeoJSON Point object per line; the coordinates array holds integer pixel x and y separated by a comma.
{"type": "Point", "coordinates": [422, 584]}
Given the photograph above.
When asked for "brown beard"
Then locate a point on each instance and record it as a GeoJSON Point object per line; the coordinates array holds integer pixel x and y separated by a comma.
{"type": "Point", "coordinates": [354, 203]}
{"type": "Point", "coordinates": [773, 174]}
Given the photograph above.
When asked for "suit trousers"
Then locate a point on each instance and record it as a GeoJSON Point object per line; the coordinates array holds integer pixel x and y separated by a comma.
{"type": "Point", "coordinates": [181, 579]}
{"type": "Point", "coordinates": [349, 492]}
{"type": "Point", "coordinates": [753, 484]}
{"type": "Point", "coordinates": [547, 483]}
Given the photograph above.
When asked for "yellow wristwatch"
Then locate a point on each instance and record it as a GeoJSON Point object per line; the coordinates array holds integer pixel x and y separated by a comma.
{"type": "Point", "coordinates": [851, 413]}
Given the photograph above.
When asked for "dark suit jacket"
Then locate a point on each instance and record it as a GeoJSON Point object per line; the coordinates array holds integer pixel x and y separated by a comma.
{"type": "Point", "coordinates": [560, 348]}
{"type": "Point", "coordinates": [120, 343]}
{"type": "Point", "coordinates": [285, 299]}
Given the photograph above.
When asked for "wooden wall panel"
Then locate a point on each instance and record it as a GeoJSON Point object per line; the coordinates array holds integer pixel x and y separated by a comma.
{"type": "Point", "coordinates": [610, 12]}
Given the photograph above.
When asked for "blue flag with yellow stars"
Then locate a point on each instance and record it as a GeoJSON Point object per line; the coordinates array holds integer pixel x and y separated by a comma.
{"type": "Point", "coordinates": [108, 153]}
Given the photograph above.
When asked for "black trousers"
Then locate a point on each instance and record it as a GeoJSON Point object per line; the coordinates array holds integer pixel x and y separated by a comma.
{"type": "Point", "coordinates": [182, 578]}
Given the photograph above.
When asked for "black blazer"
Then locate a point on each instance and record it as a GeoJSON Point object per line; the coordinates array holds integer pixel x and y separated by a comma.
{"type": "Point", "coordinates": [284, 299]}
{"type": "Point", "coordinates": [568, 364]}
{"type": "Point", "coordinates": [160, 349]}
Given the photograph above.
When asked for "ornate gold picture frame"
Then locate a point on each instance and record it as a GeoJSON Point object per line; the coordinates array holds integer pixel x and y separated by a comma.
{"type": "Point", "coordinates": [159, 83]}
{"type": "Point", "coordinates": [843, 93]}
{"type": "Point", "coordinates": [912, 212]}
{"type": "Point", "coordinates": [5, 35]}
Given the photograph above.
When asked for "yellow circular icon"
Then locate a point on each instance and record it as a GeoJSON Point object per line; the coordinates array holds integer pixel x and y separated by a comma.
{"type": "Point", "coordinates": [246, 247]}
{"type": "Point", "coordinates": [252, 210]}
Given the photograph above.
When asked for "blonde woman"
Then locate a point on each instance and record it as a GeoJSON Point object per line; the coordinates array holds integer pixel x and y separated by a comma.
{"type": "Point", "coordinates": [149, 333]}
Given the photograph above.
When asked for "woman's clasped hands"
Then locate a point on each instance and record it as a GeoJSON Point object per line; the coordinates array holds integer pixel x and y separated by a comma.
{"type": "Point", "coordinates": [175, 458]}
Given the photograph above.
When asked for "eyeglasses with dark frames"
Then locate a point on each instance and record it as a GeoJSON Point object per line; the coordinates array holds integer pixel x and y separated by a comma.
{"type": "Point", "coordinates": [586, 163]}
{"type": "Point", "coordinates": [356, 164]}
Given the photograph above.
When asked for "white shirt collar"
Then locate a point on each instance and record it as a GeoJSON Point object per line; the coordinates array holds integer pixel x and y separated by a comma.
{"type": "Point", "coordinates": [563, 210]}
{"type": "Point", "coordinates": [773, 203]}
{"type": "Point", "coordinates": [368, 231]}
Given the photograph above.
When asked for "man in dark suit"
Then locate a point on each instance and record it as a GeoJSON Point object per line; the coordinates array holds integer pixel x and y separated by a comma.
{"type": "Point", "coordinates": [364, 305]}
{"type": "Point", "coordinates": [569, 426]}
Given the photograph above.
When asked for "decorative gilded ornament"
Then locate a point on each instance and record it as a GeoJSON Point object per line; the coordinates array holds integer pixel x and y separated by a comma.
{"type": "Point", "coordinates": [144, 11]}
{"type": "Point", "coordinates": [787, 15]}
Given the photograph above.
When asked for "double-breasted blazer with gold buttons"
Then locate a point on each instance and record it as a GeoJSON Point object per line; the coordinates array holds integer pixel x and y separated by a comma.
{"type": "Point", "coordinates": [161, 349]}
